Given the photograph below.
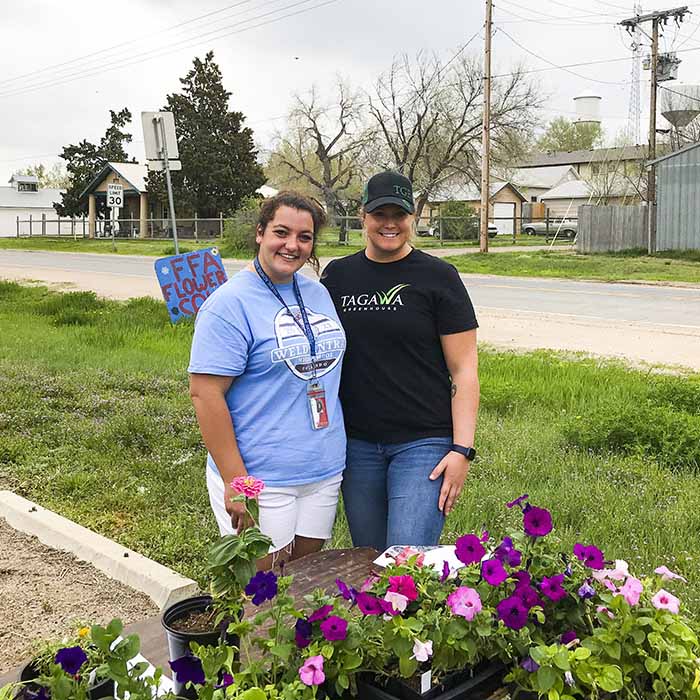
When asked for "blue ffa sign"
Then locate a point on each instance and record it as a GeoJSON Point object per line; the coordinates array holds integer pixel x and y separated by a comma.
{"type": "Point", "coordinates": [187, 280]}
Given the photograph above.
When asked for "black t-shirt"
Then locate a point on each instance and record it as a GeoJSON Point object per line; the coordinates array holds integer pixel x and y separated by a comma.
{"type": "Point", "coordinates": [395, 385]}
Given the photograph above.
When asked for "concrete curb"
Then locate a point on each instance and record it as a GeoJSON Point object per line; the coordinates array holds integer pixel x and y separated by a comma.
{"type": "Point", "coordinates": [159, 583]}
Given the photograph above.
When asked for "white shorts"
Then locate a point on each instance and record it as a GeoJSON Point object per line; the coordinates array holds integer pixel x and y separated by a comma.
{"type": "Point", "coordinates": [307, 510]}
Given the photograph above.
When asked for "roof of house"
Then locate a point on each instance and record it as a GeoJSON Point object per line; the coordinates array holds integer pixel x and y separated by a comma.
{"type": "Point", "coordinates": [31, 179]}
{"type": "Point", "coordinates": [41, 199]}
{"type": "Point", "coordinates": [134, 173]}
{"type": "Point", "coordinates": [593, 155]}
{"type": "Point", "coordinates": [469, 192]}
{"type": "Point", "coordinates": [674, 153]}
{"type": "Point", "coordinates": [544, 177]}
{"type": "Point", "coordinates": [572, 189]}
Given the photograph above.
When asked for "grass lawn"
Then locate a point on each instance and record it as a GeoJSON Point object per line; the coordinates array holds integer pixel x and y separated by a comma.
{"type": "Point", "coordinates": [96, 423]}
{"type": "Point", "coordinates": [681, 266]}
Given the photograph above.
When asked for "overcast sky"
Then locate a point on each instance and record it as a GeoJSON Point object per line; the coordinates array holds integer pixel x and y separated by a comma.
{"type": "Point", "coordinates": [64, 65]}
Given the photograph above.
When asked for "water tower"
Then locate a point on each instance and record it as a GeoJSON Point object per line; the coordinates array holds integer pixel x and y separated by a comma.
{"type": "Point", "coordinates": [587, 109]}
{"type": "Point", "coordinates": [679, 108]}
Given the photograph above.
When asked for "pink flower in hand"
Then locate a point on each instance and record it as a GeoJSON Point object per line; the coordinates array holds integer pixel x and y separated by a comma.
{"type": "Point", "coordinates": [668, 575]}
{"type": "Point", "coordinates": [311, 672]}
{"type": "Point", "coordinates": [464, 602]}
{"type": "Point", "coordinates": [664, 600]}
{"type": "Point", "coordinates": [249, 486]}
{"type": "Point", "coordinates": [631, 590]}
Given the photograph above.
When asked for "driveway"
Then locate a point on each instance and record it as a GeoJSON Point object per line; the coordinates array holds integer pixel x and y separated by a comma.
{"type": "Point", "coordinates": [639, 323]}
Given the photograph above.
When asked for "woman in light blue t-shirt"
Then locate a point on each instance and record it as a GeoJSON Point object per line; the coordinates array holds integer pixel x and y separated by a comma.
{"type": "Point", "coordinates": [264, 375]}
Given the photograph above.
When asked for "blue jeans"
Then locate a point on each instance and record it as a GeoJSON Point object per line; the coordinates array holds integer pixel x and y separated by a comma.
{"type": "Point", "coordinates": [388, 496]}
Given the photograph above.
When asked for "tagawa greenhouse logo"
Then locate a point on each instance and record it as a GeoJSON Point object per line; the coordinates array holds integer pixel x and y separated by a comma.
{"type": "Point", "coordinates": [374, 301]}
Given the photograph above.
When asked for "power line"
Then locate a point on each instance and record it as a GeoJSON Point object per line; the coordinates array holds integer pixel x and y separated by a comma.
{"type": "Point", "coordinates": [193, 41]}
{"type": "Point", "coordinates": [548, 16]}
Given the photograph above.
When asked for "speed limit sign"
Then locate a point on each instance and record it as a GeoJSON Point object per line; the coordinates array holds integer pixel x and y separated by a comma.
{"type": "Point", "coordinates": [115, 196]}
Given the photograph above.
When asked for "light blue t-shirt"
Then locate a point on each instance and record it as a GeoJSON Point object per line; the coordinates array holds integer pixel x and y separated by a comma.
{"type": "Point", "coordinates": [243, 331]}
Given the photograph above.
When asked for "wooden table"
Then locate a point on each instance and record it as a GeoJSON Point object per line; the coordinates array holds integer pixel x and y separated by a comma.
{"type": "Point", "coordinates": [313, 571]}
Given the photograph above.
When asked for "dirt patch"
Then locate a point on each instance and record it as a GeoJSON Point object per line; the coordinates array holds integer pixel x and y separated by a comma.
{"type": "Point", "coordinates": [43, 591]}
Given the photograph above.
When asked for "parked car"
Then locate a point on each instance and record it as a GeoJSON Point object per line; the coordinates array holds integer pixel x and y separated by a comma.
{"type": "Point", "coordinates": [566, 228]}
{"type": "Point", "coordinates": [425, 231]}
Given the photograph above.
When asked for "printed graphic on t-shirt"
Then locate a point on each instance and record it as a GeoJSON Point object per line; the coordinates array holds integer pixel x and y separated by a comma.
{"type": "Point", "coordinates": [293, 347]}
{"type": "Point", "coordinates": [374, 301]}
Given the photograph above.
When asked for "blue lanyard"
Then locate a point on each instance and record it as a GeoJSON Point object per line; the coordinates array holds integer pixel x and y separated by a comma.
{"type": "Point", "coordinates": [306, 328]}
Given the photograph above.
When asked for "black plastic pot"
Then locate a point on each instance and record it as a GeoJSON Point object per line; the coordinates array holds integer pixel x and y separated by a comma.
{"type": "Point", "coordinates": [104, 689]}
{"type": "Point", "coordinates": [469, 684]}
{"type": "Point", "coordinates": [179, 642]}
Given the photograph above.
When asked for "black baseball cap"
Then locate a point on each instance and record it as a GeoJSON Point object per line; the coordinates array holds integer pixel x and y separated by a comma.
{"type": "Point", "coordinates": [388, 188]}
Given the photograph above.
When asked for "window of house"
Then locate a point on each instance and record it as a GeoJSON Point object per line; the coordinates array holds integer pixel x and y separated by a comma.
{"type": "Point", "coordinates": [27, 187]}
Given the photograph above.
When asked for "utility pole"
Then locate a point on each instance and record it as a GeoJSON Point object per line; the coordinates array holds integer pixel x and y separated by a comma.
{"type": "Point", "coordinates": [657, 19]}
{"type": "Point", "coordinates": [485, 134]}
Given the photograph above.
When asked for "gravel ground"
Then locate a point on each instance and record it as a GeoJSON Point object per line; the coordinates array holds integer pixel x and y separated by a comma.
{"type": "Point", "coordinates": [43, 591]}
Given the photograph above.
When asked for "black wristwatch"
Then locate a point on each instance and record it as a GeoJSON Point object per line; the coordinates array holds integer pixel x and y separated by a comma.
{"type": "Point", "coordinates": [468, 452]}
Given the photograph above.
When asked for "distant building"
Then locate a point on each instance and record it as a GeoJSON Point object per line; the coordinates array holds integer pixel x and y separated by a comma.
{"type": "Point", "coordinates": [24, 199]}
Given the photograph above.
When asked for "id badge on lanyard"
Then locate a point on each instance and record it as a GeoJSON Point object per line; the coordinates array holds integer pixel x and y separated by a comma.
{"type": "Point", "coordinates": [318, 410]}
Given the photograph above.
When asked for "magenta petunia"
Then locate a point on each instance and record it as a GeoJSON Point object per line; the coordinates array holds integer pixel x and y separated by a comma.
{"type": "Point", "coordinates": [405, 585]}
{"type": "Point", "coordinates": [568, 637]}
{"type": "Point", "coordinates": [465, 602]}
{"type": "Point", "coordinates": [493, 572]}
{"type": "Point", "coordinates": [552, 588]}
{"type": "Point", "coordinates": [528, 595]}
{"type": "Point", "coordinates": [522, 578]}
{"type": "Point", "coordinates": [321, 613]}
{"type": "Point", "coordinates": [469, 549]}
{"type": "Point", "coordinates": [537, 522]}
{"type": "Point", "coordinates": [334, 628]}
{"type": "Point", "coordinates": [512, 612]}
{"type": "Point", "coordinates": [445, 571]}
{"type": "Point", "coordinates": [506, 553]}
{"type": "Point", "coordinates": [369, 604]}
{"type": "Point", "coordinates": [517, 501]}
{"type": "Point", "coordinates": [590, 555]}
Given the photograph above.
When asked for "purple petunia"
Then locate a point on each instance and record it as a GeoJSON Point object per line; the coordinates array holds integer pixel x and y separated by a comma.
{"type": "Point", "coordinates": [320, 614]}
{"type": "Point", "coordinates": [517, 501]}
{"type": "Point", "coordinates": [537, 522]}
{"type": "Point", "coordinates": [493, 572]}
{"type": "Point", "coordinates": [70, 659]}
{"type": "Point", "coordinates": [334, 628]}
{"type": "Point", "coordinates": [262, 586]}
{"type": "Point", "coordinates": [528, 595]}
{"type": "Point", "coordinates": [188, 669]}
{"type": "Point", "coordinates": [568, 637]}
{"type": "Point", "coordinates": [445, 571]}
{"type": "Point", "coordinates": [302, 633]}
{"type": "Point", "coordinates": [590, 555]}
{"type": "Point", "coordinates": [522, 578]}
{"type": "Point", "coordinates": [469, 549]}
{"type": "Point", "coordinates": [552, 588]}
{"type": "Point", "coordinates": [512, 612]}
{"type": "Point", "coordinates": [226, 681]}
{"type": "Point", "coordinates": [530, 665]}
{"type": "Point", "coordinates": [586, 591]}
{"type": "Point", "coordinates": [346, 591]}
{"type": "Point", "coordinates": [506, 553]}
{"type": "Point", "coordinates": [369, 604]}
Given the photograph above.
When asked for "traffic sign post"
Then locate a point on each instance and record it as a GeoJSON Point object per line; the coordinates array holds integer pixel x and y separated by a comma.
{"type": "Point", "coordinates": [160, 142]}
{"type": "Point", "coordinates": [115, 201]}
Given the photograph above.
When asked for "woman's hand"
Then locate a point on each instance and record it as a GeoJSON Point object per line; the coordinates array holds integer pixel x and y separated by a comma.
{"type": "Point", "coordinates": [454, 468]}
{"type": "Point", "coordinates": [237, 510]}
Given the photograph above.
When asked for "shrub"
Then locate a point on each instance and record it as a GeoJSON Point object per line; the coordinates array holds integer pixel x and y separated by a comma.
{"type": "Point", "coordinates": [459, 221]}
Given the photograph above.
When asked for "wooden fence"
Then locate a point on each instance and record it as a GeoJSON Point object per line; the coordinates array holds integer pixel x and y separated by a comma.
{"type": "Point", "coordinates": [604, 229]}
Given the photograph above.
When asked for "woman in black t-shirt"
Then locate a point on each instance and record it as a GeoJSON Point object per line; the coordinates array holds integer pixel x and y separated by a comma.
{"type": "Point", "coordinates": [409, 388]}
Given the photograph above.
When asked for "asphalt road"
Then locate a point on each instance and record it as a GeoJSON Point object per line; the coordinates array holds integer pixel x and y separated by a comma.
{"type": "Point", "coordinates": [643, 323]}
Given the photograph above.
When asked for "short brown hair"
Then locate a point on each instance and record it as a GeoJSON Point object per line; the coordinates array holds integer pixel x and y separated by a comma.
{"type": "Point", "coordinates": [295, 200]}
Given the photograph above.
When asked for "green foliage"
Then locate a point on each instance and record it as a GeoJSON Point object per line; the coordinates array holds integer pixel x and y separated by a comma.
{"type": "Point", "coordinates": [219, 167]}
{"type": "Point", "coordinates": [460, 221]}
{"type": "Point", "coordinates": [52, 178]}
{"type": "Point", "coordinates": [239, 232]}
{"type": "Point", "coordinates": [564, 135]}
{"type": "Point", "coordinates": [85, 160]}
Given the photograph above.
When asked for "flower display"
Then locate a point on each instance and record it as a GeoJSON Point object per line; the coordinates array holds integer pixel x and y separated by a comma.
{"type": "Point", "coordinates": [248, 486]}
{"type": "Point", "coordinates": [311, 673]}
{"type": "Point", "coordinates": [263, 586]}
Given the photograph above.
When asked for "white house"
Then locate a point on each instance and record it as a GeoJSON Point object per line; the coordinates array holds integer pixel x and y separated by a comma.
{"type": "Point", "coordinates": [24, 199]}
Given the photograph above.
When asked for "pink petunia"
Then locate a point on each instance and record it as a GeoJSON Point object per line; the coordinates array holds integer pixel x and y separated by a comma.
{"type": "Point", "coordinates": [311, 672]}
{"type": "Point", "coordinates": [406, 553]}
{"type": "Point", "coordinates": [249, 486]}
{"type": "Point", "coordinates": [631, 590]}
{"type": "Point", "coordinates": [465, 602]}
{"type": "Point", "coordinates": [603, 609]}
{"type": "Point", "coordinates": [668, 575]}
{"type": "Point", "coordinates": [398, 601]}
{"type": "Point", "coordinates": [368, 583]}
{"type": "Point", "coordinates": [405, 585]}
{"type": "Point", "coordinates": [664, 600]}
{"type": "Point", "coordinates": [422, 651]}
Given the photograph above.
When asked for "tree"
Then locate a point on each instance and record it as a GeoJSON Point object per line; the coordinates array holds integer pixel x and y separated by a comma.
{"type": "Point", "coordinates": [86, 159]}
{"type": "Point", "coordinates": [321, 148]}
{"type": "Point", "coordinates": [219, 166]}
{"type": "Point", "coordinates": [565, 135]}
{"type": "Point", "coordinates": [428, 116]}
{"type": "Point", "coordinates": [52, 178]}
